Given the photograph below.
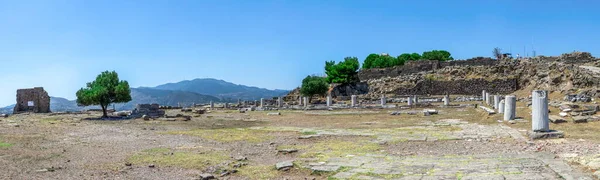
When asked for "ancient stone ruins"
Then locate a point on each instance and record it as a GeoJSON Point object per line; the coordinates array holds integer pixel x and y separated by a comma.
{"type": "Point", "coordinates": [34, 100]}
{"type": "Point", "coordinates": [512, 119]}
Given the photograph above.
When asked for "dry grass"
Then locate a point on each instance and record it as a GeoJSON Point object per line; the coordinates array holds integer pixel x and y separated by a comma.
{"type": "Point", "coordinates": [228, 135]}
{"type": "Point", "coordinates": [259, 172]}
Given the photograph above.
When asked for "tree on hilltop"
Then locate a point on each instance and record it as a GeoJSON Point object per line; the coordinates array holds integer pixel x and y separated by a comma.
{"type": "Point", "coordinates": [343, 72]}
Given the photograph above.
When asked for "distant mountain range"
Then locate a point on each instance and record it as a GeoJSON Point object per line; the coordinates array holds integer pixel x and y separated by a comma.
{"type": "Point", "coordinates": [225, 90]}
{"type": "Point", "coordinates": [183, 93]}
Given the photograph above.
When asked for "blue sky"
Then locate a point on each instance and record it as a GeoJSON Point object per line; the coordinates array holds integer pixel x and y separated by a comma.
{"type": "Point", "coordinates": [61, 45]}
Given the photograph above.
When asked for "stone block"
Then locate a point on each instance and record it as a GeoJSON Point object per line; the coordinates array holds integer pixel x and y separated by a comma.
{"type": "Point", "coordinates": [580, 119]}
{"type": "Point", "coordinates": [556, 119]}
{"type": "Point", "coordinates": [552, 134]}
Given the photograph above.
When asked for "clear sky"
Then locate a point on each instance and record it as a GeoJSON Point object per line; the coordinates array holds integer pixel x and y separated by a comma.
{"type": "Point", "coordinates": [61, 45]}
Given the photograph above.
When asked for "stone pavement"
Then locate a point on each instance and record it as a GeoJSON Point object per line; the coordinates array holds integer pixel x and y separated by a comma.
{"type": "Point", "coordinates": [491, 166]}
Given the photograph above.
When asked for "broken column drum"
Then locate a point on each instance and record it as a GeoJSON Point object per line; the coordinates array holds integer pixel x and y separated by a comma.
{"type": "Point", "coordinates": [300, 100]}
{"type": "Point", "coordinates": [416, 100]}
{"type": "Point", "coordinates": [446, 100]}
{"type": "Point", "coordinates": [226, 105]}
{"type": "Point", "coordinates": [383, 100]}
{"type": "Point", "coordinates": [279, 102]}
{"type": "Point", "coordinates": [212, 105]}
{"type": "Point", "coordinates": [539, 111]}
{"type": "Point", "coordinates": [353, 100]}
{"type": "Point", "coordinates": [328, 100]}
{"type": "Point", "coordinates": [488, 98]}
{"type": "Point", "coordinates": [262, 102]}
{"type": "Point", "coordinates": [305, 101]}
{"type": "Point", "coordinates": [496, 101]}
{"type": "Point", "coordinates": [510, 107]}
{"type": "Point", "coordinates": [409, 100]}
{"type": "Point", "coordinates": [501, 107]}
{"type": "Point", "coordinates": [483, 96]}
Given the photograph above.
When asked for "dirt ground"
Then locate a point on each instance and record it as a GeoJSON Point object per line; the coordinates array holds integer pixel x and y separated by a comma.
{"type": "Point", "coordinates": [457, 143]}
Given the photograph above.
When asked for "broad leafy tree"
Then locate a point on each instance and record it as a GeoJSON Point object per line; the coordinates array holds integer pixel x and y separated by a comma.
{"type": "Point", "coordinates": [343, 72]}
{"type": "Point", "coordinates": [106, 89]}
{"type": "Point", "coordinates": [314, 85]}
{"type": "Point", "coordinates": [439, 55]}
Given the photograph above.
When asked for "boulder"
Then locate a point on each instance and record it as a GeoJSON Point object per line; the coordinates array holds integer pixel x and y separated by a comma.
{"type": "Point", "coordinates": [580, 119]}
{"type": "Point", "coordinates": [206, 176]}
{"type": "Point", "coordinates": [274, 114]}
{"type": "Point", "coordinates": [287, 151]}
{"type": "Point", "coordinates": [284, 166]}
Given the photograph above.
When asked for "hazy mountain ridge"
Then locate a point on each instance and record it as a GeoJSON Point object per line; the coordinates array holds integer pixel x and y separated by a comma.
{"type": "Point", "coordinates": [227, 91]}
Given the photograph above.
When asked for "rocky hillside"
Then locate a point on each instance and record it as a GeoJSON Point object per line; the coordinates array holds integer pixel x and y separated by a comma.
{"type": "Point", "coordinates": [225, 90]}
{"type": "Point", "coordinates": [571, 73]}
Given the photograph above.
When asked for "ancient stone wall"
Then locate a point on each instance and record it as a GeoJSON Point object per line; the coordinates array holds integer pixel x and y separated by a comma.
{"type": "Point", "coordinates": [34, 100]}
{"type": "Point", "coordinates": [412, 67]}
{"type": "Point", "coordinates": [463, 87]}
{"type": "Point", "coordinates": [150, 110]}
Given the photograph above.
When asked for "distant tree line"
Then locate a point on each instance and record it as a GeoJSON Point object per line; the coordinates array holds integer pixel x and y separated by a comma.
{"type": "Point", "coordinates": [383, 61]}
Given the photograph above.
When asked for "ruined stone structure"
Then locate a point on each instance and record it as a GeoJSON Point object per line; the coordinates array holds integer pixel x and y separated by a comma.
{"type": "Point", "coordinates": [34, 100]}
{"type": "Point", "coordinates": [150, 110]}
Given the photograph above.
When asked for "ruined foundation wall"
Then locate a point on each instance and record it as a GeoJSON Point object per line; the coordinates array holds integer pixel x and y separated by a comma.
{"type": "Point", "coordinates": [34, 100]}
{"type": "Point", "coordinates": [463, 87]}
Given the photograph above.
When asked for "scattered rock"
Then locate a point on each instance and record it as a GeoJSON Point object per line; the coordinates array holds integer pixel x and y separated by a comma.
{"type": "Point", "coordinates": [128, 164]}
{"type": "Point", "coordinates": [512, 122]}
{"type": "Point", "coordinates": [4, 115]}
{"type": "Point", "coordinates": [284, 166]}
{"type": "Point", "coordinates": [206, 176]}
{"type": "Point", "coordinates": [309, 136]}
{"type": "Point", "coordinates": [151, 166]}
{"type": "Point", "coordinates": [16, 125]}
{"type": "Point", "coordinates": [146, 117]}
{"type": "Point", "coordinates": [563, 114]}
{"type": "Point", "coordinates": [556, 119]}
{"type": "Point", "coordinates": [240, 158]}
{"type": "Point", "coordinates": [287, 151]}
{"type": "Point", "coordinates": [580, 119]}
{"type": "Point", "coordinates": [274, 114]}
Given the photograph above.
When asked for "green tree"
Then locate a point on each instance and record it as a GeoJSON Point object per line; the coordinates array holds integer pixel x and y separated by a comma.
{"type": "Point", "coordinates": [404, 57]}
{"type": "Point", "coordinates": [368, 63]}
{"type": "Point", "coordinates": [384, 61]}
{"type": "Point", "coordinates": [439, 55]}
{"type": "Point", "coordinates": [106, 89]}
{"type": "Point", "coordinates": [342, 72]}
{"type": "Point", "coordinates": [314, 85]}
{"type": "Point", "coordinates": [415, 57]}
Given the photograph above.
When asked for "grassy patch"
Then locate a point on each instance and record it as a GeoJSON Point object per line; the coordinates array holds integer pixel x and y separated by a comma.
{"type": "Point", "coordinates": [228, 135]}
{"type": "Point", "coordinates": [5, 145]}
{"type": "Point", "coordinates": [52, 120]}
{"type": "Point", "coordinates": [384, 176]}
{"type": "Point", "coordinates": [337, 148]}
{"type": "Point", "coordinates": [309, 132]}
{"type": "Point", "coordinates": [258, 172]}
{"type": "Point", "coordinates": [183, 159]}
